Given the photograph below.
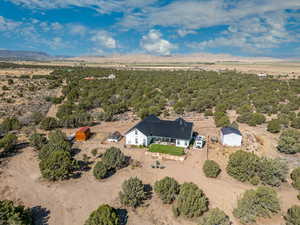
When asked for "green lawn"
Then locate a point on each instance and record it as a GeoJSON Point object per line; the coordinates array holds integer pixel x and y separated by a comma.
{"type": "Point", "coordinates": [167, 149]}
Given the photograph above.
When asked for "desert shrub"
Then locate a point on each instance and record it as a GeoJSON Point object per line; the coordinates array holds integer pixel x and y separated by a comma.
{"type": "Point", "coordinates": [246, 166]}
{"type": "Point", "coordinates": [100, 170]}
{"type": "Point", "coordinates": [94, 152]}
{"type": "Point", "coordinates": [251, 119]}
{"type": "Point", "coordinates": [262, 202]}
{"type": "Point", "coordinates": [37, 117]}
{"type": "Point", "coordinates": [167, 189]}
{"type": "Point", "coordinates": [49, 123]}
{"type": "Point", "coordinates": [296, 123]}
{"type": "Point", "coordinates": [255, 180]}
{"type": "Point", "coordinates": [242, 165]}
{"type": "Point", "coordinates": [10, 81]}
{"type": "Point", "coordinates": [289, 141]}
{"type": "Point", "coordinates": [274, 126]}
{"type": "Point", "coordinates": [191, 201]}
{"type": "Point", "coordinates": [208, 113]}
{"type": "Point", "coordinates": [9, 124]}
{"type": "Point", "coordinates": [132, 193]}
{"type": "Point", "coordinates": [215, 217]}
{"type": "Point", "coordinates": [221, 119]}
{"type": "Point", "coordinates": [37, 141]}
{"type": "Point", "coordinates": [211, 168]}
{"type": "Point", "coordinates": [58, 165]}
{"type": "Point", "coordinates": [293, 215]}
{"type": "Point", "coordinates": [104, 215]}
{"type": "Point", "coordinates": [57, 141]}
{"type": "Point", "coordinates": [295, 176]}
{"type": "Point", "coordinates": [8, 142]}
{"type": "Point", "coordinates": [14, 215]}
{"type": "Point", "coordinates": [272, 171]}
{"type": "Point", "coordinates": [113, 158]}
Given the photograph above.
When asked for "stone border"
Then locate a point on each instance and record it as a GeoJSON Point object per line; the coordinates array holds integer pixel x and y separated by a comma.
{"type": "Point", "coordinates": [166, 156]}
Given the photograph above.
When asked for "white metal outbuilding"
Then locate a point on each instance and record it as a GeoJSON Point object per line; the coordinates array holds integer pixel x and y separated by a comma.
{"type": "Point", "coordinates": [231, 137]}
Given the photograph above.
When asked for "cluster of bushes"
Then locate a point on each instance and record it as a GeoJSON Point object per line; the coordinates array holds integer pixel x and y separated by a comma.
{"type": "Point", "coordinates": [295, 176]}
{"type": "Point", "coordinates": [56, 160]}
{"type": "Point", "coordinates": [289, 141]}
{"type": "Point", "coordinates": [113, 159]}
{"type": "Point", "coordinates": [245, 166]}
{"type": "Point", "coordinates": [251, 118]}
{"type": "Point", "coordinates": [54, 100]}
{"type": "Point", "coordinates": [154, 92]}
{"type": "Point", "coordinates": [11, 214]}
{"type": "Point", "coordinates": [8, 143]}
{"type": "Point", "coordinates": [211, 168]}
{"type": "Point", "coordinates": [9, 124]}
{"type": "Point", "coordinates": [262, 202]}
{"type": "Point", "coordinates": [221, 119]}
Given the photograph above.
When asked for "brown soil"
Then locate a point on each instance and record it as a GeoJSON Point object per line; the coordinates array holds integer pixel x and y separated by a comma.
{"type": "Point", "coordinates": [71, 201]}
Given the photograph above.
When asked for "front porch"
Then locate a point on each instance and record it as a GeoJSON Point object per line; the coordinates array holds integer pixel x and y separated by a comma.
{"type": "Point", "coordinates": [161, 140]}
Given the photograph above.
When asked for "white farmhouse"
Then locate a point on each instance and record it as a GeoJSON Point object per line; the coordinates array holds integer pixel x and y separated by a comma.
{"type": "Point", "coordinates": [154, 130]}
{"type": "Point", "coordinates": [231, 137]}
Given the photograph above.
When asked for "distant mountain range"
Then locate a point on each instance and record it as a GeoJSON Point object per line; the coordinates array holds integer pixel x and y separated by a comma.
{"type": "Point", "coordinates": [28, 55]}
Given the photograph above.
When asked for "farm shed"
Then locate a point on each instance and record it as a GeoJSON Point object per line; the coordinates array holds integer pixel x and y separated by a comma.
{"type": "Point", "coordinates": [231, 137]}
{"type": "Point", "coordinates": [115, 137]}
{"type": "Point", "coordinates": [83, 134]}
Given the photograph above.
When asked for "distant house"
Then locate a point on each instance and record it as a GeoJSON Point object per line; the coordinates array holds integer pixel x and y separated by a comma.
{"type": "Point", "coordinates": [83, 134]}
{"type": "Point", "coordinates": [111, 76]}
{"type": "Point", "coordinates": [114, 137]}
{"type": "Point", "coordinates": [231, 137]}
{"type": "Point", "coordinates": [154, 130]}
{"type": "Point", "coordinates": [262, 75]}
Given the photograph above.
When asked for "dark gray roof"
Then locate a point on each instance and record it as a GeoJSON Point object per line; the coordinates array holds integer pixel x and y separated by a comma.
{"type": "Point", "coordinates": [230, 130]}
{"type": "Point", "coordinates": [153, 126]}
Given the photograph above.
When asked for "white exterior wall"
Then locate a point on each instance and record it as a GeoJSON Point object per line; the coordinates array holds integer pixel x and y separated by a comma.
{"type": "Point", "coordinates": [136, 139]}
{"type": "Point", "coordinates": [182, 143]}
{"type": "Point", "coordinates": [233, 140]}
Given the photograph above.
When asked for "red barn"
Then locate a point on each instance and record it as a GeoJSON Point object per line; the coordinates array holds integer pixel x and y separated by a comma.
{"type": "Point", "coordinates": [83, 134]}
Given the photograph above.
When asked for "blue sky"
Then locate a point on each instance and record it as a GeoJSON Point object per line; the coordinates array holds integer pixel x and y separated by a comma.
{"type": "Point", "coordinates": [159, 27]}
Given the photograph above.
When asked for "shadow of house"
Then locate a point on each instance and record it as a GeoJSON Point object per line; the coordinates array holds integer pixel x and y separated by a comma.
{"type": "Point", "coordinates": [123, 216]}
{"type": "Point", "coordinates": [40, 215]}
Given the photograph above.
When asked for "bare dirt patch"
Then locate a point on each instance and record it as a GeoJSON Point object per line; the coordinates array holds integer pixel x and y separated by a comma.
{"type": "Point", "coordinates": [71, 201]}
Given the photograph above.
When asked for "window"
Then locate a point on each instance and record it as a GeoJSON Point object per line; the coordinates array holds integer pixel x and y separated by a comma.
{"type": "Point", "coordinates": [136, 141]}
{"type": "Point", "coordinates": [178, 142]}
{"type": "Point", "coordinates": [186, 143]}
{"type": "Point", "coordinates": [136, 132]}
{"type": "Point", "coordinates": [144, 142]}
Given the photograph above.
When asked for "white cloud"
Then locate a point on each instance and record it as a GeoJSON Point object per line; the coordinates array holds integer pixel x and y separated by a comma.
{"type": "Point", "coordinates": [184, 32]}
{"type": "Point", "coordinates": [8, 25]}
{"type": "Point", "coordinates": [153, 43]}
{"type": "Point", "coordinates": [78, 29]}
{"type": "Point", "coordinates": [104, 39]}
{"type": "Point", "coordinates": [253, 34]}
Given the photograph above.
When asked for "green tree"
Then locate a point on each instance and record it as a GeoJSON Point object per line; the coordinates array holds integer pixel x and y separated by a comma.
{"type": "Point", "coordinates": [113, 158]}
{"type": "Point", "coordinates": [211, 168]}
{"type": "Point", "coordinates": [14, 215]}
{"type": "Point", "coordinates": [296, 123]}
{"type": "Point", "coordinates": [104, 215]}
{"type": "Point", "coordinates": [272, 171]}
{"type": "Point", "coordinates": [295, 176]}
{"type": "Point", "coordinates": [9, 124]}
{"type": "Point", "coordinates": [8, 142]}
{"type": "Point", "coordinates": [262, 202]}
{"type": "Point", "coordinates": [37, 141]}
{"type": "Point", "coordinates": [274, 126]}
{"type": "Point", "coordinates": [215, 217]}
{"type": "Point", "coordinates": [132, 193]}
{"type": "Point", "coordinates": [289, 141]}
{"type": "Point", "coordinates": [242, 165]}
{"type": "Point", "coordinates": [49, 123]}
{"type": "Point", "coordinates": [293, 215]}
{"type": "Point", "coordinates": [167, 189]}
{"type": "Point", "coordinates": [191, 201]}
{"type": "Point", "coordinates": [58, 165]}
{"type": "Point", "coordinates": [100, 170]}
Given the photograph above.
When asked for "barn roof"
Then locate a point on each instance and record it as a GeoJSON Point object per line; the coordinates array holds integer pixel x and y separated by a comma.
{"type": "Point", "coordinates": [230, 130]}
{"type": "Point", "coordinates": [153, 126]}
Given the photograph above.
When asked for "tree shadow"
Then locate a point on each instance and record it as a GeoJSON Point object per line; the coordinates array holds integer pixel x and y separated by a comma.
{"type": "Point", "coordinates": [149, 191]}
{"type": "Point", "coordinates": [75, 151]}
{"type": "Point", "coordinates": [123, 216]}
{"type": "Point", "coordinates": [16, 150]}
{"type": "Point", "coordinates": [40, 215]}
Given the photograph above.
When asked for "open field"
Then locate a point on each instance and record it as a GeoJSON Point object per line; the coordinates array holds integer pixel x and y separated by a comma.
{"type": "Point", "coordinates": [71, 201]}
{"type": "Point", "coordinates": [24, 71]}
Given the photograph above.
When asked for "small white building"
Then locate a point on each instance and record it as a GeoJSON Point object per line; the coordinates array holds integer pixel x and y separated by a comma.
{"type": "Point", "coordinates": [154, 130]}
{"type": "Point", "coordinates": [231, 137]}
